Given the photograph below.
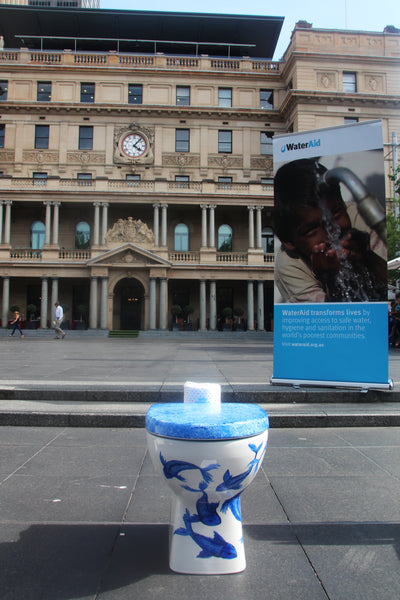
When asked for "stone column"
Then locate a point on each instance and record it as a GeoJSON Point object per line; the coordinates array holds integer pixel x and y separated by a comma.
{"type": "Point", "coordinates": [203, 225]}
{"type": "Point", "coordinates": [213, 305]}
{"type": "Point", "coordinates": [250, 306]}
{"type": "Point", "coordinates": [202, 325]}
{"type": "Point", "coordinates": [6, 302]}
{"type": "Point", "coordinates": [104, 223]}
{"type": "Point", "coordinates": [163, 303]}
{"type": "Point", "coordinates": [251, 226]}
{"type": "Point", "coordinates": [96, 224]}
{"type": "Point", "coordinates": [153, 302]}
{"type": "Point", "coordinates": [164, 225]}
{"type": "Point", "coordinates": [103, 303]}
{"type": "Point", "coordinates": [93, 303]}
{"type": "Point", "coordinates": [260, 306]}
{"type": "Point", "coordinates": [1, 222]}
{"type": "Point", "coordinates": [7, 222]}
{"type": "Point", "coordinates": [44, 303]}
{"type": "Point", "coordinates": [54, 296]}
{"type": "Point", "coordinates": [259, 228]}
{"type": "Point", "coordinates": [156, 225]}
{"type": "Point", "coordinates": [212, 226]}
{"type": "Point", "coordinates": [56, 218]}
{"type": "Point", "coordinates": [47, 223]}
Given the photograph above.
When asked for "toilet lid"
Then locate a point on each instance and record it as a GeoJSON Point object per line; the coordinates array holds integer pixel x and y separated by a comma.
{"type": "Point", "coordinates": [196, 421]}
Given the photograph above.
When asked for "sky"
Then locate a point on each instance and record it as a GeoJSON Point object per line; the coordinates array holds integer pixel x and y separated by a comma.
{"type": "Point", "coordinates": [374, 15]}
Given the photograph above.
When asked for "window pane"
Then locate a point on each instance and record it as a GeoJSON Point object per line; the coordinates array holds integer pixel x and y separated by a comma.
{"type": "Point", "coordinates": [182, 140]}
{"type": "Point", "coordinates": [37, 235]}
{"type": "Point", "coordinates": [225, 141]}
{"type": "Point", "coordinates": [348, 120]}
{"type": "Point", "coordinates": [85, 137]}
{"type": "Point", "coordinates": [135, 94]}
{"type": "Point", "coordinates": [225, 238]}
{"type": "Point", "coordinates": [3, 90]}
{"type": "Point", "coordinates": [85, 179]}
{"type": "Point", "coordinates": [82, 236]}
{"type": "Point", "coordinates": [87, 92]}
{"type": "Point", "coordinates": [266, 142]}
{"type": "Point", "coordinates": [44, 91]}
{"type": "Point", "coordinates": [41, 136]}
{"type": "Point", "coordinates": [225, 97]}
{"type": "Point", "coordinates": [181, 242]}
{"type": "Point", "coordinates": [267, 239]}
{"type": "Point", "coordinates": [266, 99]}
{"type": "Point", "coordinates": [2, 135]}
{"type": "Point", "coordinates": [349, 82]}
{"type": "Point", "coordinates": [40, 179]}
{"type": "Point", "coordinates": [183, 95]}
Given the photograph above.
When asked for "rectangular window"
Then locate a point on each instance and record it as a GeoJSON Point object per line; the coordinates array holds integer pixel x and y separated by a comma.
{"type": "Point", "coordinates": [183, 95]}
{"type": "Point", "coordinates": [224, 142]}
{"type": "Point", "coordinates": [225, 97]}
{"type": "Point", "coordinates": [132, 179]}
{"type": "Point", "coordinates": [266, 99]}
{"type": "Point", "coordinates": [3, 90]}
{"type": "Point", "coordinates": [224, 183]}
{"type": "Point", "coordinates": [349, 82]}
{"type": "Point", "coordinates": [266, 142]}
{"type": "Point", "coordinates": [2, 135]}
{"type": "Point", "coordinates": [182, 181]}
{"type": "Point", "coordinates": [182, 140]}
{"type": "Point", "coordinates": [348, 120]}
{"type": "Point", "coordinates": [43, 91]}
{"type": "Point", "coordinates": [84, 179]}
{"type": "Point", "coordinates": [40, 179]}
{"type": "Point", "coordinates": [85, 137]}
{"type": "Point", "coordinates": [135, 94]}
{"type": "Point", "coordinates": [41, 136]}
{"type": "Point", "coordinates": [87, 92]}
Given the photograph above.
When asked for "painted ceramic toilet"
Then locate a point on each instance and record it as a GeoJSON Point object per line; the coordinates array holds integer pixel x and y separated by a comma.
{"type": "Point", "coordinates": [208, 453]}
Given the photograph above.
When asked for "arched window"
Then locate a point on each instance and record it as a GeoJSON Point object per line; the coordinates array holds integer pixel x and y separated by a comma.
{"type": "Point", "coordinates": [181, 242]}
{"type": "Point", "coordinates": [82, 235]}
{"type": "Point", "coordinates": [225, 238]}
{"type": "Point", "coordinates": [267, 239]}
{"type": "Point", "coordinates": [37, 235]}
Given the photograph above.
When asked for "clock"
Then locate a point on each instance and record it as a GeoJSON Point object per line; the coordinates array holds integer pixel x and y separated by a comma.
{"type": "Point", "coordinates": [134, 145]}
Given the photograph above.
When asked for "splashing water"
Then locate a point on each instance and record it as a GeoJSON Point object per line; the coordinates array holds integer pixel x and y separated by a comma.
{"type": "Point", "coordinates": [350, 284]}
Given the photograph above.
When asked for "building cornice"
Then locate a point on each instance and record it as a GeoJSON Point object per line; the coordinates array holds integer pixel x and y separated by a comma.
{"type": "Point", "coordinates": [295, 97]}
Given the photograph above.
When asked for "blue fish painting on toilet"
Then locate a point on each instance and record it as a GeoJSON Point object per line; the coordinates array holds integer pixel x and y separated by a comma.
{"type": "Point", "coordinates": [208, 457]}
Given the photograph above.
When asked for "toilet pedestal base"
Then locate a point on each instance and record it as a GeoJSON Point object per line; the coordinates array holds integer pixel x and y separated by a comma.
{"type": "Point", "coordinates": [199, 549]}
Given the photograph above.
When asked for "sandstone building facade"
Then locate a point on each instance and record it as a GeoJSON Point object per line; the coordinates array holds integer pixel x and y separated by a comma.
{"type": "Point", "coordinates": [140, 178]}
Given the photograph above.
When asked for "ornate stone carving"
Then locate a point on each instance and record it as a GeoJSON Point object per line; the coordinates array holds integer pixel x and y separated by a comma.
{"type": "Point", "coordinates": [86, 157]}
{"type": "Point", "coordinates": [374, 83]}
{"type": "Point", "coordinates": [180, 160]}
{"type": "Point", "coordinates": [40, 157]}
{"type": "Point", "coordinates": [264, 163]}
{"type": "Point", "coordinates": [130, 230]}
{"type": "Point", "coordinates": [326, 80]}
{"type": "Point", "coordinates": [6, 156]}
{"type": "Point", "coordinates": [225, 161]}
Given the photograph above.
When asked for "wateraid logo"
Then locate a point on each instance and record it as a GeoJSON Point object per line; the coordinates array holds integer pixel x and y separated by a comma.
{"type": "Point", "coordinates": [301, 146]}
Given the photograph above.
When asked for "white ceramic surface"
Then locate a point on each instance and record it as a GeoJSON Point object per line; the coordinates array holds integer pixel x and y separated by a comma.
{"type": "Point", "coordinates": [207, 478]}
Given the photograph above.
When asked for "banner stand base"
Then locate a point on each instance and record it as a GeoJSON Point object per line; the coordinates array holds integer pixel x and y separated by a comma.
{"type": "Point", "coordinates": [336, 384]}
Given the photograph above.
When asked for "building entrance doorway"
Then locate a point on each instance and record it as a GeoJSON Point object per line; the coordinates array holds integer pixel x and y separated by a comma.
{"type": "Point", "coordinates": [129, 299]}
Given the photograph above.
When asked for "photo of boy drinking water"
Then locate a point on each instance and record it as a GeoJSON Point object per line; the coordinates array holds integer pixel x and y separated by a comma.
{"type": "Point", "coordinates": [328, 253]}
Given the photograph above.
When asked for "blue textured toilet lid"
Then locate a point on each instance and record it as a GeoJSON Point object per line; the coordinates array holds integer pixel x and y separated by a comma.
{"type": "Point", "coordinates": [196, 421]}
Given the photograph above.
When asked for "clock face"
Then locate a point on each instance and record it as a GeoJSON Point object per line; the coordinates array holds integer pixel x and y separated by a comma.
{"type": "Point", "coordinates": [134, 145]}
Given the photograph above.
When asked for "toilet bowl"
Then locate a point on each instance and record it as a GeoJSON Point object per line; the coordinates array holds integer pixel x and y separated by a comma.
{"type": "Point", "coordinates": [208, 456]}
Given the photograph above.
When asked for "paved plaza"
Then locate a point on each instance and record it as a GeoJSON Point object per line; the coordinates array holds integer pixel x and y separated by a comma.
{"type": "Point", "coordinates": [83, 516]}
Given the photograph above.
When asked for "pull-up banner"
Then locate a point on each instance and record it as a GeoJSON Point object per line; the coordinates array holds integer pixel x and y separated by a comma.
{"type": "Point", "coordinates": [331, 308]}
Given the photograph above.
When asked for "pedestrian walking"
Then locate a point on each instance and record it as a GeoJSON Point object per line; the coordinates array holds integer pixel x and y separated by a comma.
{"type": "Point", "coordinates": [59, 320]}
{"type": "Point", "coordinates": [16, 324]}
